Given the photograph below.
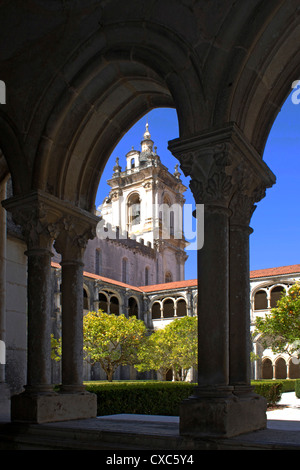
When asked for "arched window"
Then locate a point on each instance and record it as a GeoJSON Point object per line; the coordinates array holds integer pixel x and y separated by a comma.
{"type": "Point", "coordinates": [146, 276]}
{"type": "Point", "coordinates": [85, 300]}
{"type": "Point", "coordinates": [168, 308]}
{"type": "Point", "coordinates": [98, 262]}
{"type": "Point", "coordinates": [156, 311]}
{"type": "Point", "coordinates": [133, 307]}
{"type": "Point", "coordinates": [276, 294]}
{"type": "Point", "coordinates": [114, 305]}
{"type": "Point", "coordinates": [134, 210]}
{"type": "Point", "coordinates": [103, 304]}
{"type": "Point", "coordinates": [125, 270]}
{"type": "Point", "coordinates": [280, 369]}
{"type": "Point", "coordinates": [267, 369]}
{"type": "Point", "coordinates": [260, 300]}
{"type": "Point", "coordinates": [168, 277]}
{"type": "Point", "coordinates": [294, 368]}
{"type": "Point", "coordinates": [181, 308]}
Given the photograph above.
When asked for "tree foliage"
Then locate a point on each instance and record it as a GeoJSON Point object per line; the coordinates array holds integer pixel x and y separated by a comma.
{"type": "Point", "coordinates": [171, 348]}
{"type": "Point", "coordinates": [280, 329]}
{"type": "Point", "coordinates": [112, 340]}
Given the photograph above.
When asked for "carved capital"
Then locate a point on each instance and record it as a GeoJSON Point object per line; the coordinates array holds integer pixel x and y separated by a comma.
{"type": "Point", "coordinates": [35, 220]}
{"type": "Point", "coordinates": [73, 236]}
{"type": "Point", "coordinates": [44, 218]}
{"type": "Point", "coordinates": [220, 163]}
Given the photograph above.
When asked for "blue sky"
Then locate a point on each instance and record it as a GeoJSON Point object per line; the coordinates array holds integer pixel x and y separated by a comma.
{"type": "Point", "coordinates": [276, 220]}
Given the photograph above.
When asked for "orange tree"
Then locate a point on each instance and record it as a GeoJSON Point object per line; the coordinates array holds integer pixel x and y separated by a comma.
{"type": "Point", "coordinates": [112, 340]}
{"type": "Point", "coordinates": [280, 329]}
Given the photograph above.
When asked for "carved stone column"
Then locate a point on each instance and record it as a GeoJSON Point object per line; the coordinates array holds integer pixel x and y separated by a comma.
{"type": "Point", "coordinates": [251, 189]}
{"type": "Point", "coordinates": [34, 218]}
{"type": "Point", "coordinates": [216, 161]}
{"type": "Point", "coordinates": [74, 233]}
{"type": "Point", "coordinates": [40, 215]}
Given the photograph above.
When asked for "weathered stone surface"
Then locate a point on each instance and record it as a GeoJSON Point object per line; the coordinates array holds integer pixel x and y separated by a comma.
{"type": "Point", "coordinates": [222, 417]}
{"type": "Point", "coordinates": [43, 408]}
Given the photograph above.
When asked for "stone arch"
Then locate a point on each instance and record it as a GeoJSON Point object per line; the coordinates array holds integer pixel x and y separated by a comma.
{"type": "Point", "coordinates": [280, 368]}
{"type": "Point", "coordinates": [103, 301]}
{"type": "Point", "coordinates": [181, 307]}
{"type": "Point", "coordinates": [267, 368]}
{"type": "Point", "coordinates": [114, 306]}
{"type": "Point", "coordinates": [294, 368]}
{"type": "Point", "coordinates": [275, 294]}
{"type": "Point", "coordinates": [133, 307]}
{"type": "Point", "coordinates": [168, 307]}
{"type": "Point", "coordinates": [86, 298]}
{"type": "Point", "coordinates": [133, 209]}
{"type": "Point", "coordinates": [107, 93]}
{"type": "Point", "coordinates": [260, 300]}
{"type": "Point", "coordinates": [156, 310]}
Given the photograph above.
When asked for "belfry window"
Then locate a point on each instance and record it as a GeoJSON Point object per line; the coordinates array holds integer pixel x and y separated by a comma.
{"type": "Point", "coordinates": [134, 210]}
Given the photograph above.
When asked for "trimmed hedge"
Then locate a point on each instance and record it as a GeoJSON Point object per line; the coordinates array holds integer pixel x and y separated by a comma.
{"type": "Point", "coordinates": [158, 398]}
{"type": "Point", "coordinates": [297, 388]}
{"type": "Point", "coordinates": [270, 390]}
{"type": "Point", "coordinates": [140, 397]}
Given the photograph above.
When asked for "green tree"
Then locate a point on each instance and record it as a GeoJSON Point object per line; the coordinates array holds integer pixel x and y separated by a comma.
{"type": "Point", "coordinates": [55, 348]}
{"type": "Point", "coordinates": [171, 348]}
{"type": "Point", "coordinates": [280, 329]}
{"type": "Point", "coordinates": [112, 340]}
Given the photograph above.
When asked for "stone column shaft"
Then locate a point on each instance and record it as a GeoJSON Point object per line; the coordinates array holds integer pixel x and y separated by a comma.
{"type": "Point", "coordinates": [39, 328]}
{"type": "Point", "coordinates": [213, 319]}
{"type": "Point", "coordinates": [74, 233]}
{"type": "Point", "coordinates": [72, 325]}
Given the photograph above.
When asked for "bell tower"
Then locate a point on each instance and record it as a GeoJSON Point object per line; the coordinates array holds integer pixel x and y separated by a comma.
{"type": "Point", "coordinates": [145, 203]}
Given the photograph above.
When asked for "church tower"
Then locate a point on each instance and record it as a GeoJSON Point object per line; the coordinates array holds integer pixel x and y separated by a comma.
{"type": "Point", "coordinates": [145, 205]}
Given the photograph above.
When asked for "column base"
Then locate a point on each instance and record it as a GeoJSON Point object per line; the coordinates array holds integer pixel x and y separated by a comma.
{"type": "Point", "coordinates": [47, 408]}
{"type": "Point", "coordinates": [222, 417]}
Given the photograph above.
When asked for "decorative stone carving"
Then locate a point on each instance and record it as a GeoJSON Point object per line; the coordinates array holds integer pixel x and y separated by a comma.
{"type": "Point", "coordinates": [220, 163]}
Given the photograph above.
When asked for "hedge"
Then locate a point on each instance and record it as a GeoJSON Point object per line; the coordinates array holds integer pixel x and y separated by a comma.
{"type": "Point", "coordinates": [157, 398]}
{"type": "Point", "coordinates": [297, 388]}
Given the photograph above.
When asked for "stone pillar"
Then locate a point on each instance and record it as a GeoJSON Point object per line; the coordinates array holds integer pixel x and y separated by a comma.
{"type": "Point", "coordinates": [40, 216]}
{"type": "Point", "coordinates": [71, 243]}
{"type": "Point", "coordinates": [242, 207]}
{"type": "Point", "coordinates": [216, 162]}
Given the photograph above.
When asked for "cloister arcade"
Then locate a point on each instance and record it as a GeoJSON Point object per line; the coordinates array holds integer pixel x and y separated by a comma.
{"type": "Point", "coordinates": [77, 77]}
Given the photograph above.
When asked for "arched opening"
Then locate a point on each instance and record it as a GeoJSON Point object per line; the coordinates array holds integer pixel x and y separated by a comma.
{"type": "Point", "coordinates": [294, 368]}
{"type": "Point", "coordinates": [114, 305]}
{"type": "Point", "coordinates": [86, 303]}
{"type": "Point", "coordinates": [168, 276]}
{"type": "Point", "coordinates": [103, 302]}
{"type": "Point", "coordinates": [133, 309]}
{"type": "Point", "coordinates": [155, 311]}
{"type": "Point", "coordinates": [168, 308]}
{"type": "Point", "coordinates": [181, 308]}
{"type": "Point", "coordinates": [134, 210]}
{"type": "Point", "coordinates": [147, 269]}
{"type": "Point", "coordinates": [280, 369]}
{"type": "Point", "coordinates": [260, 300]}
{"type": "Point", "coordinates": [276, 294]}
{"type": "Point", "coordinates": [267, 369]}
